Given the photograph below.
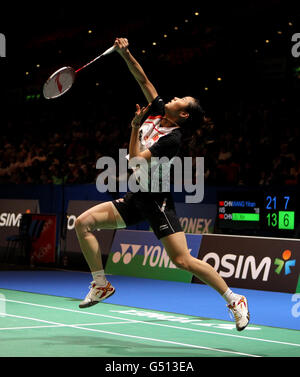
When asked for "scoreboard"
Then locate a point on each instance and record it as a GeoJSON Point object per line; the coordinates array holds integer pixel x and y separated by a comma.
{"type": "Point", "coordinates": [270, 212]}
{"type": "Point", "coordinates": [279, 212]}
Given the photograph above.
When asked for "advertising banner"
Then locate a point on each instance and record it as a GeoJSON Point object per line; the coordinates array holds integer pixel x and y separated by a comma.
{"type": "Point", "coordinates": [76, 208]}
{"type": "Point", "coordinates": [270, 264]}
{"type": "Point", "coordinates": [141, 254]}
{"type": "Point", "coordinates": [43, 236]}
{"type": "Point", "coordinates": [11, 211]}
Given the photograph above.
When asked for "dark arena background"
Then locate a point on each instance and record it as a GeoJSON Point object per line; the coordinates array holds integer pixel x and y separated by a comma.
{"type": "Point", "coordinates": [242, 61]}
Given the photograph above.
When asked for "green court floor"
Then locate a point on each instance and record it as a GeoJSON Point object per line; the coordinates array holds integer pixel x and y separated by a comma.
{"type": "Point", "coordinates": [41, 326]}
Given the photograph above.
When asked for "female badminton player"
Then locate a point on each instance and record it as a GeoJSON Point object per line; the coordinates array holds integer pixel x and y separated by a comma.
{"type": "Point", "coordinates": [159, 135]}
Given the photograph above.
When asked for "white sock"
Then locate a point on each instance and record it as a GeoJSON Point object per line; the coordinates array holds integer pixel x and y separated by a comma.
{"type": "Point", "coordinates": [99, 278]}
{"type": "Point", "coordinates": [229, 296]}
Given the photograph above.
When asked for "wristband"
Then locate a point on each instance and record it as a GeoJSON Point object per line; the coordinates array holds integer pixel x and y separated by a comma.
{"type": "Point", "coordinates": [136, 126]}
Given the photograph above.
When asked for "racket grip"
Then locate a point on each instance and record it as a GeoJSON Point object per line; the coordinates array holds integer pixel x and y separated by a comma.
{"type": "Point", "coordinates": [109, 50]}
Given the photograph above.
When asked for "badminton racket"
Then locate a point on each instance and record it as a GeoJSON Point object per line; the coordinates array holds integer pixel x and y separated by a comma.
{"type": "Point", "coordinates": [63, 79]}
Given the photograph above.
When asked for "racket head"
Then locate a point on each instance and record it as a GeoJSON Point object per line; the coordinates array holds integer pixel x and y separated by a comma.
{"type": "Point", "coordinates": [59, 82]}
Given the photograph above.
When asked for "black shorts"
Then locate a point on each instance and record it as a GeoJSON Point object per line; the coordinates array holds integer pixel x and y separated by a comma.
{"type": "Point", "coordinates": [156, 208]}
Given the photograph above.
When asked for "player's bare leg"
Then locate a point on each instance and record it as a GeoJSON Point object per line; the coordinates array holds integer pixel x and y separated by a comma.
{"type": "Point", "coordinates": [177, 249]}
{"type": "Point", "coordinates": [102, 216]}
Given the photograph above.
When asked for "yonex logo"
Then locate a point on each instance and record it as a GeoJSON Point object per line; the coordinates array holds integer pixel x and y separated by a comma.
{"type": "Point", "coordinates": [196, 225]}
{"type": "Point", "coordinates": [286, 255]}
{"type": "Point", "coordinates": [125, 253]}
{"type": "Point", "coordinates": [152, 255]}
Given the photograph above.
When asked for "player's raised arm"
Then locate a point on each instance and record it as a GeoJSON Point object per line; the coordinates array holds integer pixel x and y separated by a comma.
{"type": "Point", "coordinates": [136, 70]}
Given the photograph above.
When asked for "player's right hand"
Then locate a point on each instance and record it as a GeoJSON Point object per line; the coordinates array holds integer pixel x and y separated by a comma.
{"type": "Point", "coordinates": [121, 45]}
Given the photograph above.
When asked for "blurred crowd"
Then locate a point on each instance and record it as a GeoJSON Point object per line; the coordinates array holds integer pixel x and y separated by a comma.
{"type": "Point", "coordinates": [246, 145]}
{"type": "Point", "coordinates": [255, 145]}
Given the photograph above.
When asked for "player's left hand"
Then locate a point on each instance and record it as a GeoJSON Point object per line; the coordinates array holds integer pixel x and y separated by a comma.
{"type": "Point", "coordinates": [139, 114]}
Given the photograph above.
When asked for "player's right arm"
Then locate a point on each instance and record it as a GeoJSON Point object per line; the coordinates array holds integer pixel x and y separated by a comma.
{"type": "Point", "coordinates": [136, 69]}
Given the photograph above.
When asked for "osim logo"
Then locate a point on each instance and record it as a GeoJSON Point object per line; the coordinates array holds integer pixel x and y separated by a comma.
{"type": "Point", "coordinates": [240, 266]}
{"type": "Point", "coordinates": [286, 262]}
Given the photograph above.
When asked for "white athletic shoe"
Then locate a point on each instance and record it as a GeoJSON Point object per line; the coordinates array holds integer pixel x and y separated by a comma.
{"type": "Point", "coordinates": [97, 294]}
{"type": "Point", "coordinates": [240, 311]}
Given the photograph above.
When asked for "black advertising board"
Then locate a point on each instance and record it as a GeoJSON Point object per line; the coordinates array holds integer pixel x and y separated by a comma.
{"type": "Point", "coordinates": [11, 211]}
{"type": "Point", "coordinates": [261, 263]}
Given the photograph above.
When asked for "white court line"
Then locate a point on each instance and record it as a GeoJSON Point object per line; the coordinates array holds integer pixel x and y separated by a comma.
{"type": "Point", "coordinates": [104, 323]}
{"type": "Point", "coordinates": [134, 336]}
{"type": "Point", "coordinates": [156, 324]}
{"type": "Point", "coordinates": [28, 327]}
{"type": "Point", "coordinates": [55, 325]}
{"type": "Point", "coordinates": [50, 326]}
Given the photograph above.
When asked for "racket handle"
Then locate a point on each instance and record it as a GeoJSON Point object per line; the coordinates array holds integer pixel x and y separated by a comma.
{"type": "Point", "coordinates": [109, 50]}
